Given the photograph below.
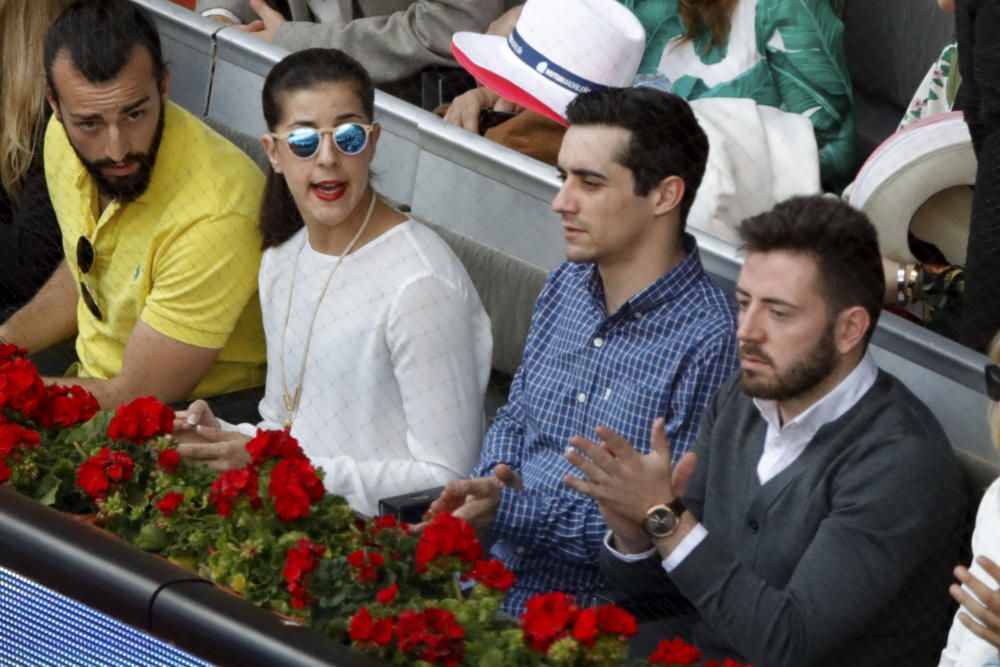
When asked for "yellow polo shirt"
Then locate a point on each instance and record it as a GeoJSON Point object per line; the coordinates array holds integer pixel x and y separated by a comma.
{"type": "Point", "coordinates": [183, 257]}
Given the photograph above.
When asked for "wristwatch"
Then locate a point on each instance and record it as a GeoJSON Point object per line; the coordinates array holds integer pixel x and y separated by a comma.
{"type": "Point", "coordinates": [662, 520]}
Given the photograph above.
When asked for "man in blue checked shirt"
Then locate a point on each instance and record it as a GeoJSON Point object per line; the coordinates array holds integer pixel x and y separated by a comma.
{"type": "Point", "coordinates": [628, 330]}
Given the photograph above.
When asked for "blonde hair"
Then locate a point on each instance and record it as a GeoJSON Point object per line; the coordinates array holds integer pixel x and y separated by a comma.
{"type": "Point", "coordinates": [994, 412]}
{"type": "Point", "coordinates": [23, 24]}
{"type": "Point", "coordinates": [711, 15]}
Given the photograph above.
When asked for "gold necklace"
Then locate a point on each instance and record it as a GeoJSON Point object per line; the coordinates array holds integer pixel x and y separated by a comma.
{"type": "Point", "coordinates": [292, 399]}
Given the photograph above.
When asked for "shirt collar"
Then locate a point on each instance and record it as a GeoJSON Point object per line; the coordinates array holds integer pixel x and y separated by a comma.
{"type": "Point", "coordinates": [831, 407]}
{"type": "Point", "coordinates": [674, 282]}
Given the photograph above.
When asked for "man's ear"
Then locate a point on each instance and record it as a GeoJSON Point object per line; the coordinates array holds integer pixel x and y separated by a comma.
{"type": "Point", "coordinates": [271, 146]}
{"type": "Point", "coordinates": [165, 82]}
{"type": "Point", "coordinates": [667, 195]}
{"type": "Point", "coordinates": [851, 327]}
{"type": "Point", "coordinates": [51, 97]}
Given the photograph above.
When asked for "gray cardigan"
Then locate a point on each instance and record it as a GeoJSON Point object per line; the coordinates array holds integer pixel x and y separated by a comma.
{"type": "Point", "coordinates": [844, 558]}
{"type": "Point", "coordinates": [393, 39]}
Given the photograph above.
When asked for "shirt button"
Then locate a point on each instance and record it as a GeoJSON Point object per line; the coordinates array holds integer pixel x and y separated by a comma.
{"type": "Point", "coordinates": [753, 525]}
{"type": "Point", "coordinates": [598, 342]}
{"type": "Point", "coordinates": [581, 397]}
{"type": "Point", "coordinates": [519, 550]}
{"type": "Point", "coordinates": [637, 316]}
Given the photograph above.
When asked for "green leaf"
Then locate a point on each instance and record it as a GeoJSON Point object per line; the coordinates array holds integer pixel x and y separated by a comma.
{"type": "Point", "coordinates": [48, 489]}
{"type": "Point", "coordinates": [151, 538]}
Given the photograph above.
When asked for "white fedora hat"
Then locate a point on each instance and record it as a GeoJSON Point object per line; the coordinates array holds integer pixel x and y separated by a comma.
{"type": "Point", "coordinates": [559, 49]}
{"type": "Point", "coordinates": [913, 165]}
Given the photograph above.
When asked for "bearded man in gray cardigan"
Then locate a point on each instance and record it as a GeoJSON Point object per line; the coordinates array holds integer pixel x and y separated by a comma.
{"type": "Point", "coordinates": [393, 39]}
{"type": "Point", "coordinates": [817, 518]}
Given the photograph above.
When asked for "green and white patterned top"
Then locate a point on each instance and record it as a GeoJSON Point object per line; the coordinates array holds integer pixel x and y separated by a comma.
{"type": "Point", "coordinates": [782, 53]}
{"type": "Point", "coordinates": [937, 92]}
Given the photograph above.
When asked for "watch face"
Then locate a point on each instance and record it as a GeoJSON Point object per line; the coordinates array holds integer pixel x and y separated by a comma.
{"type": "Point", "coordinates": [660, 521]}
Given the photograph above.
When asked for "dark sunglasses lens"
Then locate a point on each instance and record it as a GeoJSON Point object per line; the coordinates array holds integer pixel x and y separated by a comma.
{"type": "Point", "coordinates": [303, 142]}
{"type": "Point", "coordinates": [993, 381]}
{"type": "Point", "coordinates": [84, 254]}
{"type": "Point", "coordinates": [351, 138]}
{"type": "Point", "coordinates": [88, 299]}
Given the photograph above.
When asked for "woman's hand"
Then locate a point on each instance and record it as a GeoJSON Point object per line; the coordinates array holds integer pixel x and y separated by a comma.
{"type": "Point", "coordinates": [219, 450]}
{"type": "Point", "coordinates": [197, 414]}
{"type": "Point", "coordinates": [980, 612]}
{"type": "Point", "coordinates": [464, 109]}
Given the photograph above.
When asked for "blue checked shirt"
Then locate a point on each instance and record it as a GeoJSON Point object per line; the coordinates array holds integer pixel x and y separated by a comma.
{"type": "Point", "coordinates": [664, 353]}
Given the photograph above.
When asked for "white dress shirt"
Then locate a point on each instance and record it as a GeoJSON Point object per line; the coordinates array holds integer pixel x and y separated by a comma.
{"type": "Point", "coordinates": [783, 444]}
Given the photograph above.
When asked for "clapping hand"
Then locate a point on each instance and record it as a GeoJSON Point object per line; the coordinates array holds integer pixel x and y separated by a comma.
{"type": "Point", "coordinates": [625, 482]}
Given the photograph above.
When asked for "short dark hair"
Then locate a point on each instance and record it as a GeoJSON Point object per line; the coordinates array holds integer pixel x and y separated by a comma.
{"type": "Point", "coordinates": [840, 238]}
{"type": "Point", "coordinates": [279, 216]}
{"type": "Point", "coordinates": [666, 138]}
{"type": "Point", "coordinates": [100, 37]}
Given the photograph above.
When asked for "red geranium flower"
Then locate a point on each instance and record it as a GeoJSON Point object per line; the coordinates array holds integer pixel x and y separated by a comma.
{"type": "Point", "coordinates": [5, 471]}
{"type": "Point", "coordinates": [9, 351]}
{"type": "Point", "coordinates": [585, 627]}
{"type": "Point", "coordinates": [232, 484]}
{"type": "Point", "coordinates": [364, 565]}
{"type": "Point", "coordinates": [169, 503]}
{"type": "Point", "coordinates": [273, 445]}
{"type": "Point", "coordinates": [140, 420]}
{"type": "Point", "coordinates": [728, 662]}
{"type": "Point", "coordinates": [167, 460]}
{"type": "Point", "coordinates": [14, 437]}
{"type": "Point", "coordinates": [300, 561]}
{"type": "Point", "coordinates": [447, 536]}
{"type": "Point", "coordinates": [492, 574]}
{"type": "Point", "coordinates": [433, 635]}
{"type": "Point", "coordinates": [368, 632]}
{"type": "Point", "coordinates": [371, 528]}
{"type": "Point", "coordinates": [387, 595]}
{"type": "Point", "coordinates": [293, 486]}
{"type": "Point", "coordinates": [21, 388]}
{"type": "Point", "coordinates": [67, 406]}
{"type": "Point", "coordinates": [614, 620]}
{"type": "Point", "coordinates": [546, 619]}
{"type": "Point", "coordinates": [387, 522]}
{"type": "Point", "coordinates": [675, 652]}
{"type": "Point", "coordinates": [96, 474]}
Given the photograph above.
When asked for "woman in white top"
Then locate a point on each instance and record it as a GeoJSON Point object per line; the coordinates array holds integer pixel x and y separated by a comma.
{"type": "Point", "coordinates": [975, 632]}
{"type": "Point", "coordinates": [378, 347]}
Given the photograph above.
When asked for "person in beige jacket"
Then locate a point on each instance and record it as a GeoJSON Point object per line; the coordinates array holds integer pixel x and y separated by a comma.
{"type": "Point", "coordinates": [393, 39]}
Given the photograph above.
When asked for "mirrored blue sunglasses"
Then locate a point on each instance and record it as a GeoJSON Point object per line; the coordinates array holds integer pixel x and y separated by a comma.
{"type": "Point", "coordinates": [349, 138]}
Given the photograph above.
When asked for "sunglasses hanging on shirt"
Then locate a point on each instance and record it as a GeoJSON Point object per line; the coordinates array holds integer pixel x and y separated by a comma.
{"type": "Point", "coordinates": [85, 256]}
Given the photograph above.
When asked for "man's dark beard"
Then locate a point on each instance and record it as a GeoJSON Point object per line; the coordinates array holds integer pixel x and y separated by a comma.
{"type": "Point", "coordinates": [800, 378]}
{"type": "Point", "coordinates": [127, 188]}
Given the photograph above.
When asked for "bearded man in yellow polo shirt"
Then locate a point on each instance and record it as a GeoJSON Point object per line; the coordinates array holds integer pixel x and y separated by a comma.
{"type": "Point", "coordinates": [158, 220]}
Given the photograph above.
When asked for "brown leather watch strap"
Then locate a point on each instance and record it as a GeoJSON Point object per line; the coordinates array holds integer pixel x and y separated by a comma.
{"type": "Point", "coordinates": [677, 507]}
